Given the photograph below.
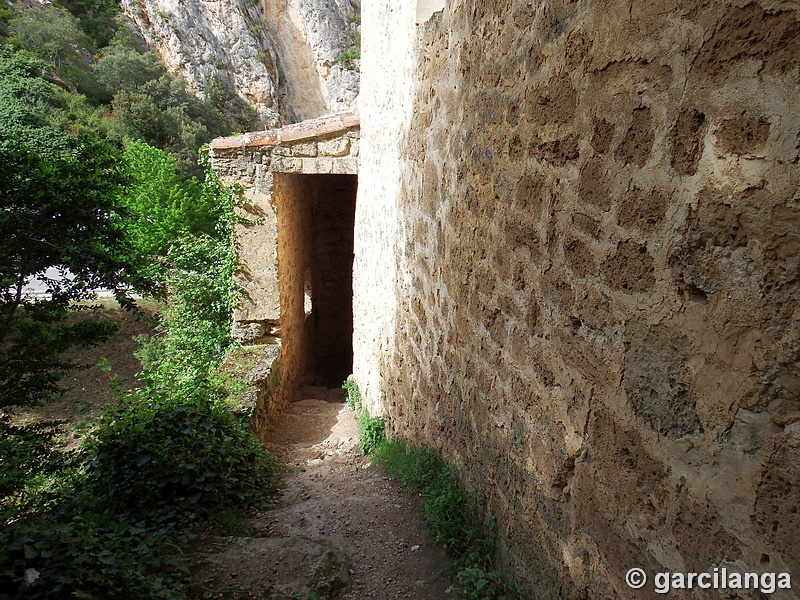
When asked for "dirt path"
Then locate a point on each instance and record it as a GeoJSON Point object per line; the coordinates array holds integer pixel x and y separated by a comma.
{"type": "Point", "coordinates": [352, 523]}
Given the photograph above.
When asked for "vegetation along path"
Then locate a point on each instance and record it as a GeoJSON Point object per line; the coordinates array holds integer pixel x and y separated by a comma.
{"type": "Point", "coordinates": [340, 529]}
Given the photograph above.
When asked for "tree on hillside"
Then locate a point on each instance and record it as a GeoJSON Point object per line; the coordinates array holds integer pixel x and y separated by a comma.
{"type": "Point", "coordinates": [57, 209]}
{"type": "Point", "coordinates": [162, 113]}
{"type": "Point", "coordinates": [56, 37]}
{"type": "Point", "coordinates": [123, 68]}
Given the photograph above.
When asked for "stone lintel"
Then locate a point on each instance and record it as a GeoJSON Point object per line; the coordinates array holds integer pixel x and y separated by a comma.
{"type": "Point", "coordinates": [287, 164]}
{"type": "Point", "coordinates": [304, 149]}
{"type": "Point", "coordinates": [293, 133]}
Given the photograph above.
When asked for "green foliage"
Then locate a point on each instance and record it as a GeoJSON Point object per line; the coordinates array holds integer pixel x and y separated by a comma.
{"type": "Point", "coordinates": [86, 556]}
{"type": "Point", "coordinates": [371, 430]}
{"type": "Point", "coordinates": [417, 467]}
{"type": "Point", "coordinates": [353, 398]}
{"type": "Point", "coordinates": [168, 461]}
{"type": "Point", "coordinates": [445, 508]}
{"type": "Point", "coordinates": [169, 454]}
{"type": "Point", "coordinates": [372, 433]}
{"type": "Point", "coordinates": [52, 34]}
{"type": "Point", "coordinates": [57, 210]}
{"type": "Point", "coordinates": [28, 105]}
{"type": "Point", "coordinates": [164, 115]}
{"type": "Point", "coordinates": [477, 584]}
{"type": "Point", "coordinates": [57, 191]}
{"type": "Point", "coordinates": [122, 68]}
{"type": "Point", "coordinates": [216, 92]}
{"type": "Point", "coordinates": [30, 457]}
{"type": "Point", "coordinates": [6, 14]}
{"type": "Point", "coordinates": [450, 516]}
{"type": "Point", "coordinates": [99, 19]}
{"type": "Point", "coordinates": [36, 342]}
{"type": "Point", "coordinates": [351, 50]}
{"type": "Point", "coordinates": [195, 326]}
{"type": "Point", "coordinates": [162, 207]}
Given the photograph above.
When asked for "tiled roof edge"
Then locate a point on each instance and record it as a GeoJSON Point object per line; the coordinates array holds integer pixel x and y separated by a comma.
{"type": "Point", "coordinates": [311, 128]}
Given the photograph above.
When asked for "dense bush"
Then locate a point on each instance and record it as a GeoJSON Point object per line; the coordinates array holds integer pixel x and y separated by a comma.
{"type": "Point", "coordinates": [122, 68]}
{"type": "Point", "coordinates": [86, 556]}
{"type": "Point", "coordinates": [53, 35]}
{"type": "Point", "coordinates": [162, 208]}
{"type": "Point", "coordinates": [195, 328]}
{"type": "Point", "coordinates": [31, 456]}
{"type": "Point", "coordinates": [174, 461]}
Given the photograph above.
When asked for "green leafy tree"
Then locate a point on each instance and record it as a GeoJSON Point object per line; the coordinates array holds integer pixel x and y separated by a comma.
{"type": "Point", "coordinates": [195, 327]}
{"type": "Point", "coordinates": [162, 207]}
{"type": "Point", "coordinates": [57, 209]}
{"type": "Point", "coordinates": [52, 34]}
{"type": "Point", "coordinates": [30, 106]}
{"type": "Point", "coordinates": [99, 19]}
{"type": "Point", "coordinates": [162, 113]}
{"type": "Point", "coordinates": [56, 37]}
{"type": "Point", "coordinates": [123, 68]}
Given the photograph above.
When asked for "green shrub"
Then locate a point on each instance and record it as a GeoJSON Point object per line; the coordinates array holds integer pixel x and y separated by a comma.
{"type": "Point", "coordinates": [353, 397]}
{"type": "Point", "coordinates": [168, 462]}
{"type": "Point", "coordinates": [351, 49]}
{"type": "Point", "coordinates": [372, 433]}
{"type": "Point", "coordinates": [195, 328]}
{"type": "Point", "coordinates": [88, 556]}
{"type": "Point", "coordinates": [31, 468]}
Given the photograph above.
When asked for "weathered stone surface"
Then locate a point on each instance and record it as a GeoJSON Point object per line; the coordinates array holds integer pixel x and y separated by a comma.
{"type": "Point", "coordinates": [279, 568]}
{"type": "Point", "coordinates": [309, 36]}
{"type": "Point", "coordinates": [576, 273]}
{"type": "Point", "coordinates": [213, 44]}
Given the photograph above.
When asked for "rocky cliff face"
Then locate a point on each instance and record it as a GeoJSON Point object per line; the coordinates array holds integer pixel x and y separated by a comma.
{"type": "Point", "coordinates": [280, 57]}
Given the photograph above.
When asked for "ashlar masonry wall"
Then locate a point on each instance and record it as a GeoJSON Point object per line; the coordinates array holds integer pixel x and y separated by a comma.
{"type": "Point", "coordinates": [585, 274]}
{"type": "Point", "coordinates": [299, 190]}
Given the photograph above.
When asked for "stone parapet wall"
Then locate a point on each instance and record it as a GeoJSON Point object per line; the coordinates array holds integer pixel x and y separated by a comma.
{"type": "Point", "coordinates": [272, 240]}
{"type": "Point", "coordinates": [328, 145]}
{"type": "Point", "coordinates": [577, 269]}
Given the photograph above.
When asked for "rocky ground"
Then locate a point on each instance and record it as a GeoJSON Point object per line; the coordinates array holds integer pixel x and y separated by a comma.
{"type": "Point", "coordinates": [341, 529]}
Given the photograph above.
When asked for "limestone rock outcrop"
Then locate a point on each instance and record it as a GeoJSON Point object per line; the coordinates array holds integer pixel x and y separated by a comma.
{"type": "Point", "coordinates": [279, 57]}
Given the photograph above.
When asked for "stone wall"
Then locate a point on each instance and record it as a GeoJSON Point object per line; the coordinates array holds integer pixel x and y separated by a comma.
{"type": "Point", "coordinates": [577, 260]}
{"type": "Point", "coordinates": [284, 172]}
{"type": "Point", "coordinates": [388, 32]}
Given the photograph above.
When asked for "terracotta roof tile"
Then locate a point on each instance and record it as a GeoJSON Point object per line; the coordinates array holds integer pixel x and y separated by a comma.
{"type": "Point", "coordinates": [261, 138]}
{"type": "Point", "coordinates": [235, 141]}
{"type": "Point", "coordinates": [289, 133]}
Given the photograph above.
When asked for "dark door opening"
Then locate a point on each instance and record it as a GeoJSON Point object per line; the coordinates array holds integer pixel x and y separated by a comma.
{"type": "Point", "coordinates": [329, 280]}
